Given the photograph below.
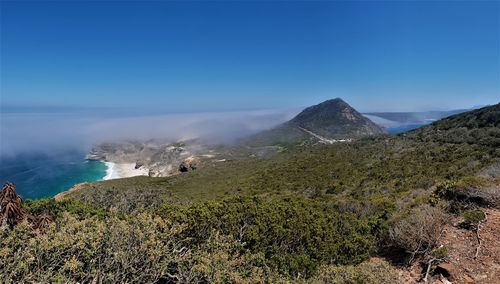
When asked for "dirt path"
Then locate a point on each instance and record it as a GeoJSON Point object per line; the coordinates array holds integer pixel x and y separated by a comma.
{"type": "Point", "coordinates": [323, 139]}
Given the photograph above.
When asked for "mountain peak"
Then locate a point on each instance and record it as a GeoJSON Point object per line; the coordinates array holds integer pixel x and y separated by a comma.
{"type": "Point", "coordinates": [332, 119]}
{"type": "Point", "coordinates": [335, 100]}
{"type": "Point", "coordinates": [329, 111]}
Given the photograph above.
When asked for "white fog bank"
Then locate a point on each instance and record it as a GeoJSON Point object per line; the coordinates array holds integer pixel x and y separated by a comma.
{"type": "Point", "coordinates": [50, 132]}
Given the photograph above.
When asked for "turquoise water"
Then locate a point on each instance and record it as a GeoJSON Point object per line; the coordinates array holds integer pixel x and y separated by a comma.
{"type": "Point", "coordinates": [45, 175]}
{"type": "Point", "coordinates": [404, 128]}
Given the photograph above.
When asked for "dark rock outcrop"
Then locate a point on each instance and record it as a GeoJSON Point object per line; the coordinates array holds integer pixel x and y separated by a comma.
{"type": "Point", "coordinates": [183, 167]}
{"type": "Point", "coordinates": [190, 164]}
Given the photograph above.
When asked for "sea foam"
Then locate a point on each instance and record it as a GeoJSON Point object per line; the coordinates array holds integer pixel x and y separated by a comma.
{"type": "Point", "coordinates": [111, 171]}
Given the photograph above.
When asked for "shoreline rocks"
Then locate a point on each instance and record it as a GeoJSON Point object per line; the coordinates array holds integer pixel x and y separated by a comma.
{"type": "Point", "coordinates": [156, 158]}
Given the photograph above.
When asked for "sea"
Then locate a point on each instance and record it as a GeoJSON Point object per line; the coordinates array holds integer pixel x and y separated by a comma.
{"type": "Point", "coordinates": [42, 150]}
{"type": "Point", "coordinates": [404, 128]}
{"type": "Point", "coordinates": [41, 175]}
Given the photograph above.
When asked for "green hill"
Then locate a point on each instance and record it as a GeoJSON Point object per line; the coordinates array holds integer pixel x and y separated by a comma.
{"type": "Point", "coordinates": [481, 126]}
{"type": "Point", "coordinates": [370, 163]}
{"type": "Point", "coordinates": [329, 120]}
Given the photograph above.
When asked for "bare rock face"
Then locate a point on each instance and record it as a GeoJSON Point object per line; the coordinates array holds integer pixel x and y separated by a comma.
{"type": "Point", "coordinates": [183, 168]}
{"type": "Point", "coordinates": [158, 158]}
{"type": "Point", "coordinates": [189, 164]}
{"type": "Point", "coordinates": [468, 279]}
{"type": "Point", "coordinates": [448, 270]}
{"type": "Point", "coordinates": [350, 114]}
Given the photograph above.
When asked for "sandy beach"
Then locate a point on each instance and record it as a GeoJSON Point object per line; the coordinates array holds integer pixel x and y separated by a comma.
{"type": "Point", "coordinates": [123, 170]}
{"type": "Point", "coordinates": [114, 171]}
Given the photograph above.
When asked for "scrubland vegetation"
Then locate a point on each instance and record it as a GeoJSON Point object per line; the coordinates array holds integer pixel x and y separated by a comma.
{"type": "Point", "coordinates": [314, 214]}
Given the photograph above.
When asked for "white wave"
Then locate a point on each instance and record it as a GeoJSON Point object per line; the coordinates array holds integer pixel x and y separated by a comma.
{"type": "Point", "coordinates": [111, 171]}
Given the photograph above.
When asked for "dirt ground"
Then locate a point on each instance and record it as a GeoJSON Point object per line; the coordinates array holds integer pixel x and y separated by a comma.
{"type": "Point", "coordinates": [462, 265]}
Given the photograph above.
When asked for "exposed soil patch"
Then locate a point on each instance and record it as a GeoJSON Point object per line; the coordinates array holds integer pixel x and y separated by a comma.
{"type": "Point", "coordinates": [63, 194]}
{"type": "Point", "coordinates": [463, 266]}
{"type": "Point", "coordinates": [462, 246]}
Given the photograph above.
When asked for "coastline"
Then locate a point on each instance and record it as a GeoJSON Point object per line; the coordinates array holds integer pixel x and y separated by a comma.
{"type": "Point", "coordinates": [63, 194]}
{"type": "Point", "coordinates": [123, 170]}
{"type": "Point", "coordinates": [113, 171]}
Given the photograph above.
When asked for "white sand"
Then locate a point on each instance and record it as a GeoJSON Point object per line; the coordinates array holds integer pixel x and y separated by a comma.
{"type": "Point", "coordinates": [123, 170]}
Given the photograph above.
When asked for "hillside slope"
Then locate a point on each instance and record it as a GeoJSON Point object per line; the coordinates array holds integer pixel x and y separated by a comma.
{"type": "Point", "coordinates": [328, 121]}
{"type": "Point", "coordinates": [481, 126]}
{"type": "Point", "coordinates": [390, 163]}
{"type": "Point", "coordinates": [309, 214]}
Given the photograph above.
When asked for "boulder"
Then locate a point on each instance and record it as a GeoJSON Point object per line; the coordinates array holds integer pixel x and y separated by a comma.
{"type": "Point", "coordinates": [183, 167]}
{"type": "Point", "coordinates": [447, 269]}
{"type": "Point", "coordinates": [189, 164]}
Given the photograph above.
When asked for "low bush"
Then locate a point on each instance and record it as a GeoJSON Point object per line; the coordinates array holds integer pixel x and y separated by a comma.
{"type": "Point", "coordinates": [418, 230]}
{"type": "Point", "coordinates": [137, 249]}
{"type": "Point", "coordinates": [294, 235]}
{"type": "Point", "coordinates": [372, 272]}
{"type": "Point", "coordinates": [472, 218]}
{"type": "Point", "coordinates": [143, 249]}
{"type": "Point", "coordinates": [57, 208]}
{"type": "Point", "coordinates": [440, 253]}
{"type": "Point", "coordinates": [469, 192]}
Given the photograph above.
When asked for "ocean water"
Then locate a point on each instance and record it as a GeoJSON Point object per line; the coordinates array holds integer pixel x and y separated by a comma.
{"type": "Point", "coordinates": [40, 175]}
{"type": "Point", "coordinates": [404, 128]}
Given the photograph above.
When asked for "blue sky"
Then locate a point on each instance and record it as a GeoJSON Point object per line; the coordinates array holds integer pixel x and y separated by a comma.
{"type": "Point", "coordinates": [210, 56]}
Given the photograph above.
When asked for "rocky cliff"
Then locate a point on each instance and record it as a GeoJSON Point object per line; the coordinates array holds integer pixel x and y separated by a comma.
{"type": "Point", "coordinates": [160, 158]}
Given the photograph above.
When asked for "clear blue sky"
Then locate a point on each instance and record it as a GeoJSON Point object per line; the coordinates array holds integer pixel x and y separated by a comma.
{"type": "Point", "coordinates": [393, 55]}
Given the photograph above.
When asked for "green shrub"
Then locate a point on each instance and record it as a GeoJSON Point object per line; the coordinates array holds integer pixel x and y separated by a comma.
{"type": "Point", "coordinates": [294, 235]}
{"type": "Point", "coordinates": [440, 253]}
{"type": "Point", "coordinates": [472, 218]}
{"type": "Point", "coordinates": [372, 272]}
{"type": "Point", "coordinates": [472, 182]}
{"type": "Point", "coordinates": [476, 191]}
{"type": "Point", "coordinates": [138, 248]}
{"type": "Point", "coordinates": [141, 249]}
{"type": "Point", "coordinates": [58, 208]}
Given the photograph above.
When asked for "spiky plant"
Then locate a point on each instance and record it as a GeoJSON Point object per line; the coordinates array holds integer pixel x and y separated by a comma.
{"type": "Point", "coordinates": [11, 206]}
{"type": "Point", "coordinates": [43, 220]}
